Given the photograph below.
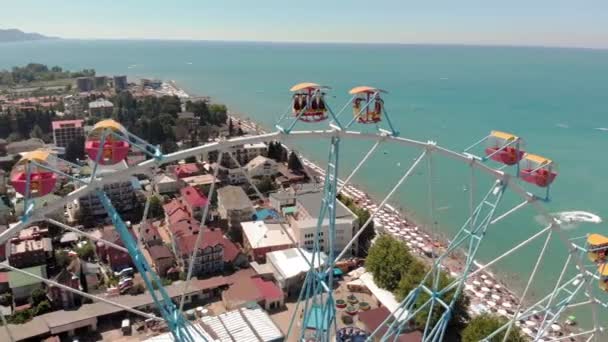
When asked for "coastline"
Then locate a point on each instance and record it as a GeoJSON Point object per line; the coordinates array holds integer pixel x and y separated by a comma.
{"type": "Point", "coordinates": [486, 291]}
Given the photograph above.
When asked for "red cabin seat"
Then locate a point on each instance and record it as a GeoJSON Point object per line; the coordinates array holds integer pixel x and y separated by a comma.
{"type": "Point", "coordinates": [509, 155]}
{"type": "Point", "coordinates": [312, 116]}
{"type": "Point", "coordinates": [112, 152]}
{"type": "Point", "coordinates": [542, 177]}
{"type": "Point", "coordinates": [41, 183]}
{"type": "Point", "coordinates": [368, 118]}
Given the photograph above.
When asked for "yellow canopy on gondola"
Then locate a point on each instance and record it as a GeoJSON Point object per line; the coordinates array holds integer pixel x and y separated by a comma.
{"type": "Point", "coordinates": [603, 270]}
{"type": "Point", "coordinates": [306, 85]}
{"type": "Point", "coordinates": [504, 135]}
{"type": "Point", "coordinates": [365, 89]}
{"type": "Point", "coordinates": [40, 155]}
{"type": "Point", "coordinates": [597, 240]}
{"type": "Point", "coordinates": [109, 123]}
{"type": "Point", "coordinates": [538, 159]}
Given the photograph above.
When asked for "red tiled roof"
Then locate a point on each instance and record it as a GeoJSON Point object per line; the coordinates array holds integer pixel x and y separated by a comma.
{"type": "Point", "coordinates": [185, 227]}
{"type": "Point", "coordinates": [373, 318]}
{"type": "Point", "coordinates": [193, 197]}
{"type": "Point", "coordinates": [160, 252]}
{"type": "Point", "coordinates": [149, 231]}
{"type": "Point", "coordinates": [185, 170]}
{"type": "Point", "coordinates": [211, 238]}
{"type": "Point", "coordinates": [172, 206]}
{"type": "Point", "coordinates": [268, 289]}
{"type": "Point", "coordinates": [111, 234]}
{"type": "Point", "coordinates": [179, 215]}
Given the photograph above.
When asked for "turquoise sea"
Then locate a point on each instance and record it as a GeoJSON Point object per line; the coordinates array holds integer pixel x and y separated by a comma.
{"type": "Point", "coordinates": [556, 99]}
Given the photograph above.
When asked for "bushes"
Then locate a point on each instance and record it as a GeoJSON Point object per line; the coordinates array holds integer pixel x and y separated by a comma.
{"type": "Point", "coordinates": [483, 325]}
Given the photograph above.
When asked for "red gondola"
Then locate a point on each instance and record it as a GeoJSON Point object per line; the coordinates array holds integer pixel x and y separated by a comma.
{"type": "Point", "coordinates": [504, 148]}
{"type": "Point", "coordinates": [369, 98]}
{"type": "Point", "coordinates": [309, 102]}
{"type": "Point", "coordinates": [537, 170]}
{"type": "Point", "coordinates": [42, 181]}
{"type": "Point", "coordinates": [114, 149]}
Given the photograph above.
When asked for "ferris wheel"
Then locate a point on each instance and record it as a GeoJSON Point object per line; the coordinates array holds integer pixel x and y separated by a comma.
{"type": "Point", "coordinates": [498, 163]}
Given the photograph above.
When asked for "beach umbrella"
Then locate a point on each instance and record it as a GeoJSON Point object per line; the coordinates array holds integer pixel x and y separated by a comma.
{"type": "Point", "coordinates": [409, 244]}
{"type": "Point", "coordinates": [531, 323]}
{"type": "Point", "coordinates": [485, 289]}
{"type": "Point", "coordinates": [421, 244]}
{"type": "Point", "coordinates": [555, 327]}
{"type": "Point", "coordinates": [507, 305]}
{"type": "Point", "coordinates": [491, 303]}
{"type": "Point", "coordinates": [483, 276]}
{"type": "Point", "coordinates": [495, 297]}
{"type": "Point", "coordinates": [488, 282]}
{"type": "Point", "coordinates": [413, 234]}
{"type": "Point", "coordinates": [419, 238]}
{"type": "Point", "coordinates": [479, 294]}
{"type": "Point", "coordinates": [502, 312]}
{"type": "Point", "coordinates": [497, 286]}
{"type": "Point", "coordinates": [526, 331]}
{"type": "Point", "coordinates": [468, 287]}
{"type": "Point", "coordinates": [455, 275]}
{"type": "Point", "coordinates": [476, 283]}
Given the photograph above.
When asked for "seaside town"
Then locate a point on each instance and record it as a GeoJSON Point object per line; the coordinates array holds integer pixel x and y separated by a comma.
{"type": "Point", "coordinates": [256, 242]}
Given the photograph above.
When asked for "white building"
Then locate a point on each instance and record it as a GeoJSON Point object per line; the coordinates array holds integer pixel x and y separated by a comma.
{"type": "Point", "coordinates": [290, 267]}
{"type": "Point", "coordinates": [121, 193]}
{"type": "Point", "coordinates": [165, 184]}
{"type": "Point", "coordinates": [242, 153]}
{"type": "Point", "coordinates": [302, 209]}
{"type": "Point", "coordinates": [260, 238]}
{"type": "Point", "coordinates": [261, 166]}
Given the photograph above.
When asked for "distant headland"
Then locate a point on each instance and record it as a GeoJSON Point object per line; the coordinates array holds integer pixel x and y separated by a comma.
{"type": "Point", "coordinates": [15, 35]}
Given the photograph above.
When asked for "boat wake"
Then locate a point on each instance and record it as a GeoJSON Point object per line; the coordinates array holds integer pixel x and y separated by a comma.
{"type": "Point", "coordinates": [604, 129]}
{"type": "Point", "coordinates": [570, 220]}
{"type": "Point", "coordinates": [562, 125]}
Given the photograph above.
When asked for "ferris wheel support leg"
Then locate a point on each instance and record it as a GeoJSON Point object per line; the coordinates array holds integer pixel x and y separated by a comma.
{"type": "Point", "coordinates": [393, 131]}
{"type": "Point", "coordinates": [556, 289]}
{"type": "Point", "coordinates": [175, 321]}
{"type": "Point", "coordinates": [320, 282]}
{"type": "Point", "coordinates": [474, 236]}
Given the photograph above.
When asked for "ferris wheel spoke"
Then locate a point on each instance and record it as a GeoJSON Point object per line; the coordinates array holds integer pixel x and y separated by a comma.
{"type": "Point", "coordinates": [359, 165]}
{"type": "Point", "coordinates": [85, 234]}
{"type": "Point", "coordinates": [403, 178]}
{"type": "Point", "coordinates": [510, 211]}
{"type": "Point", "coordinates": [530, 280]}
{"type": "Point", "coordinates": [199, 236]}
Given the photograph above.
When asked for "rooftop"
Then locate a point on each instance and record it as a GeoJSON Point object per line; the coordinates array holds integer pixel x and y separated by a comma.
{"type": "Point", "coordinates": [372, 319]}
{"type": "Point", "coordinates": [185, 227]}
{"type": "Point", "coordinates": [211, 238]}
{"type": "Point", "coordinates": [261, 234]}
{"type": "Point", "coordinates": [289, 262]}
{"type": "Point", "coordinates": [183, 170]}
{"type": "Point", "coordinates": [160, 252]}
{"type": "Point", "coordinates": [101, 103]}
{"type": "Point", "coordinates": [234, 198]}
{"type": "Point", "coordinates": [200, 180]}
{"type": "Point", "coordinates": [17, 279]}
{"type": "Point", "coordinates": [244, 324]}
{"type": "Point", "coordinates": [193, 197]}
{"type": "Point", "coordinates": [44, 244]}
{"type": "Point", "coordinates": [67, 123]}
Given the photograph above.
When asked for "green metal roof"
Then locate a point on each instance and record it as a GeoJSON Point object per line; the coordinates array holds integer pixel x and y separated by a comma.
{"type": "Point", "coordinates": [289, 210]}
{"type": "Point", "coordinates": [16, 279]}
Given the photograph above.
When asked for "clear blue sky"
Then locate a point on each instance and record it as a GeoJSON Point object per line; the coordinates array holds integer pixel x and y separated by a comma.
{"type": "Point", "coordinates": [574, 23]}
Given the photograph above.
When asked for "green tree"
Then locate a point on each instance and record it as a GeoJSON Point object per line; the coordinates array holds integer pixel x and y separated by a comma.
{"type": "Point", "coordinates": [294, 162]}
{"type": "Point", "coordinates": [61, 258]}
{"type": "Point", "coordinates": [387, 260]}
{"type": "Point", "coordinates": [265, 185]}
{"type": "Point", "coordinates": [483, 325]}
{"type": "Point", "coordinates": [37, 296]}
{"type": "Point", "coordinates": [42, 308]}
{"type": "Point", "coordinates": [86, 251]}
{"type": "Point", "coordinates": [156, 207]}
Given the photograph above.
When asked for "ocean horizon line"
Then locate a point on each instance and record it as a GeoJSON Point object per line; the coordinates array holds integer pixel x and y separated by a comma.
{"type": "Point", "coordinates": [319, 43]}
